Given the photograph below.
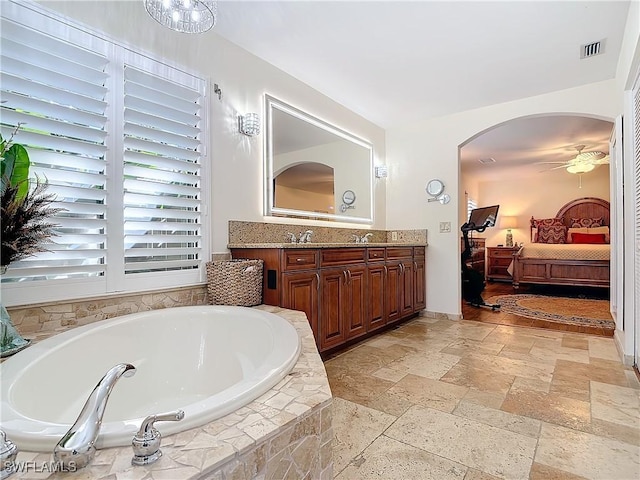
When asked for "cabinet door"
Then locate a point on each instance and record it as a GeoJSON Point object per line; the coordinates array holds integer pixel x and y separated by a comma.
{"type": "Point", "coordinates": [407, 293]}
{"type": "Point", "coordinates": [419, 286]}
{"type": "Point", "coordinates": [332, 300]}
{"type": "Point", "coordinates": [376, 292]}
{"type": "Point", "coordinates": [394, 287]}
{"type": "Point", "coordinates": [355, 308]}
{"type": "Point", "coordinates": [300, 292]}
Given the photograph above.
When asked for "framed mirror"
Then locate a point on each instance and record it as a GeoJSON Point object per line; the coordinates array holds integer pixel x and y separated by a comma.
{"type": "Point", "coordinates": [311, 164]}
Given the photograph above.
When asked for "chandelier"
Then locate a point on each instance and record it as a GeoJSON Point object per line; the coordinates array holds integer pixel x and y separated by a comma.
{"type": "Point", "coordinates": [187, 16]}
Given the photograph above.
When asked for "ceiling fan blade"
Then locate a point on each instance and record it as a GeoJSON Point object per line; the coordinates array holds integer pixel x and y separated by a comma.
{"type": "Point", "coordinates": [556, 163]}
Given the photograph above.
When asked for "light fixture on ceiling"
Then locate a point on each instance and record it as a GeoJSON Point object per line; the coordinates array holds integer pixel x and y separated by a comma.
{"type": "Point", "coordinates": [584, 162]}
{"type": "Point", "coordinates": [186, 16]}
{"type": "Point", "coordinates": [249, 124]}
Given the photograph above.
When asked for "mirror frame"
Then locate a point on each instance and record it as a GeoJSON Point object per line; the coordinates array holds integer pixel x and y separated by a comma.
{"type": "Point", "coordinates": [270, 209]}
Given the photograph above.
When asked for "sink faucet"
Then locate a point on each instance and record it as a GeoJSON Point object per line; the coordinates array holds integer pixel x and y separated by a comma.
{"type": "Point", "coordinates": [356, 238]}
{"type": "Point", "coordinates": [77, 447]}
{"type": "Point", "coordinates": [291, 237]}
{"type": "Point", "coordinates": [305, 237]}
{"type": "Point", "coordinates": [365, 238]}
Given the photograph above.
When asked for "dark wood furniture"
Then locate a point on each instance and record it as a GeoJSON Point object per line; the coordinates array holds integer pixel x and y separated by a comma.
{"type": "Point", "coordinates": [477, 261]}
{"type": "Point", "coordinates": [498, 260]}
{"type": "Point", "coordinates": [549, 271]}
{"type": "Point", "coordinates": [346, 292]}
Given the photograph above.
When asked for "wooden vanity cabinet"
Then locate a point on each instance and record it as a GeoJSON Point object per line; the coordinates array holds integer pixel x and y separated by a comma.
{"type": "Point", "coordinates": [376, 289]}
{"type": "Point", "coordinates": [343, 301]}
{"type": "Point", "coordinates": [345, 292]}
{"type": "Point", "coordinates": [400, 282]}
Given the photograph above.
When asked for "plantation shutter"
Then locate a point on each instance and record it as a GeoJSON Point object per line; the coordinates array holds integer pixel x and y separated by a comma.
{"type": "Point", "coordinates": [56, 90]}
{"type": "Point", "coordinates": [162, 185]}
{"type": "Point", "coordinates": [636, 244]}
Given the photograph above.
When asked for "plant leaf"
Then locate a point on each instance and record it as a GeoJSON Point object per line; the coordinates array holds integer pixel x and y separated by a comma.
{"type": "Point", "coordinates": [17, 168]}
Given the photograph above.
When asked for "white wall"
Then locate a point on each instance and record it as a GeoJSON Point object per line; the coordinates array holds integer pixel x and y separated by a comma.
{"type": "Point", "coordinates": [237, 160]}
{"type": "Point", "coordinates": [541, 196]}
{"type": "Point", "coordinates": [423, 150]}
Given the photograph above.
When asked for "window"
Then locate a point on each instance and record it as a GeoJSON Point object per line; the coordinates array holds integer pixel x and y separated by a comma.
{"type": "Point", "coordinates": [471, 205]}
{"type": "Point", "coordinates": [120, 138]}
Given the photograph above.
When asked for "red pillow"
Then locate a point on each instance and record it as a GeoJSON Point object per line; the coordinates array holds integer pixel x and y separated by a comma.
{"type": "Point", "coordinates": [588, 238]}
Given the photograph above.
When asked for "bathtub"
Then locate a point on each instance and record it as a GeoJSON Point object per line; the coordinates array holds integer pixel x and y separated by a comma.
{"type": "Point", "coordinates": [206, 360]}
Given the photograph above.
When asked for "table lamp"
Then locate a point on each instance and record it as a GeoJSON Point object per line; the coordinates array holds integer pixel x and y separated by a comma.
{"type": "Point", "coordinates": [509, 223]}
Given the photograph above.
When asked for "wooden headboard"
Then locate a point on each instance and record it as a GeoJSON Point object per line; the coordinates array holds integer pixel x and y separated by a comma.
{"type": "Point", "coordinates": [587, 207]}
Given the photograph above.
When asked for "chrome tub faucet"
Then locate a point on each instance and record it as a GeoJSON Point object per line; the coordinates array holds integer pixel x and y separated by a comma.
{"type": "Point", "coordinates": [77, 447]}
{"type": "Point", "coordinates": [146, 443]}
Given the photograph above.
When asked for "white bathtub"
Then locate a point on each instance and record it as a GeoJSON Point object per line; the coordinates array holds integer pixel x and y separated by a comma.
{"type": "Point", "coordinates": [205, 360]}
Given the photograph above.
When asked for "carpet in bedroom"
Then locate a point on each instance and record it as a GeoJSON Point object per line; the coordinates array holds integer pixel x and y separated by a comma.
{"type": "Point", "coordinates": [572, 312]}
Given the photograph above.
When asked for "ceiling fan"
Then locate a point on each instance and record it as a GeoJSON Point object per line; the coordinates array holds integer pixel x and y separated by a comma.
{"type": "Point", "coordinates": [583, 162]}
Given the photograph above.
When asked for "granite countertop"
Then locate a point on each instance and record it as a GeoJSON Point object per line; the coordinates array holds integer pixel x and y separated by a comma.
{"type": "Point", "coordinates": [323, 245]}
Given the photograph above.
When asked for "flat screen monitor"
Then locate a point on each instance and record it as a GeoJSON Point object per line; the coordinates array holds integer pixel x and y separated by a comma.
{"type": "Point", "coordinates": [483, 217]}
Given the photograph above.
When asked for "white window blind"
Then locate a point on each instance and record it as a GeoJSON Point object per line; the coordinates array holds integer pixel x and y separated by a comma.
{"type": "Point", "coordinates": [120, 138]}
{"type": "Point", "coordinates": [161, 174]}
{"type": "Point", "coordinates": [57, 92]}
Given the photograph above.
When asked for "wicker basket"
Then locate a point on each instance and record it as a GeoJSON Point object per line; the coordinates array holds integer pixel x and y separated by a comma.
{"type": "Point", "coordinates": [235, 282]}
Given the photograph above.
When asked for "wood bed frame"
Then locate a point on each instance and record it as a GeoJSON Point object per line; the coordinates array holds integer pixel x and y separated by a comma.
{"type": "Point", "coordinates": [549, 271]}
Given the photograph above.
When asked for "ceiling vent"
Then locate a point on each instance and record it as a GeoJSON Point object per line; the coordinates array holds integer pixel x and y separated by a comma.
{"type": "Point", "coordinates": [592, 49]}
{"type": "Point", "coordinates": [487, 160]}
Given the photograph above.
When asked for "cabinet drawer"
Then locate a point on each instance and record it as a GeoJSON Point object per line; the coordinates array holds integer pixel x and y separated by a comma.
{"type": "Point", "coordinates": [375, 254]}
{"type": "Point", "coordinates": [418, 252]}
{"type": "Point", "coordinates": [399, 252]}
{"type": "Point", "coordinates": [500, 262]}
{"type": "Point", "coordinates": [502, 253]}
{"type": "Point", "coordinates": [341, 256]}
{"type": "Point", "coordinates": [299, 260]}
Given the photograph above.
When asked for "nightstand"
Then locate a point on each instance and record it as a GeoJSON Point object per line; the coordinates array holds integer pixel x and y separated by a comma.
{"type": "Point", "coordinates": [498, 259]}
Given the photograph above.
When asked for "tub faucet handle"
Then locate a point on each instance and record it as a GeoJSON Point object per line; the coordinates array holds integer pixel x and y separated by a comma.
{"type": "Point", "coordinates": [146, 443]}
{"type": "Point", "coordinates": [8, 454]}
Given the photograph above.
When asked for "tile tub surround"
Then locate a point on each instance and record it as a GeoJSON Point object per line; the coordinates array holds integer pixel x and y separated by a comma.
{"type": "Point", "coordinates": [276, 233]}
{"type": "Point", "coordinates": [440, 399]}
{"type": "Point", "coordinates": [285, 433]}
{"type": "Point", "coordinates": [35, 321]}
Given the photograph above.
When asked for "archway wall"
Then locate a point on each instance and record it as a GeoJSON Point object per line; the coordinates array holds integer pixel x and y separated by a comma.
{"type": "Point", "coordinates": [429, 149]}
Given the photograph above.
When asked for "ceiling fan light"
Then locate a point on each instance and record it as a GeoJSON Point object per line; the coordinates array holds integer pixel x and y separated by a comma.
{"type": "Point", "coordinates": [580, 167]}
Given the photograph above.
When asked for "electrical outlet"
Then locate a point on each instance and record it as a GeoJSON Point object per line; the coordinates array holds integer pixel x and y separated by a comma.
{"type": "Point", "coordinates": [445, 227]}
{"type": "Point", "coordinates": [394, 236]}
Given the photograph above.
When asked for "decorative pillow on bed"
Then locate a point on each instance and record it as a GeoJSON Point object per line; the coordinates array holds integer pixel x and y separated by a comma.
{"type": "Point", "coordinates": [546, 222]}
{"type": "Point", "coordinates": [536, 223]}
{"type": "Point", "coordinates": [552, 234]}
{"type": "Point", "coordinates": [589, 238]}
{"type": "Point", "coordinates": [586, 222]}
{"type": "Point", "coordinates": [571, 231]}
{"type": "Point", "coordinates": [604, 230]}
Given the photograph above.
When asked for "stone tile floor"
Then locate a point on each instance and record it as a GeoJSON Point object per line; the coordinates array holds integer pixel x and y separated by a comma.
{"type": "Point", "coordinates": [440, 399]}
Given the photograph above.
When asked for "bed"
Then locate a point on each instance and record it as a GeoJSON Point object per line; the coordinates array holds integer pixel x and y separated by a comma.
{"type": "Point", "coordinates": [567, 263]}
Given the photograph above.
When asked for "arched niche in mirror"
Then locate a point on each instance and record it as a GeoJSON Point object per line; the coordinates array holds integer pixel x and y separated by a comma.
{"type": "Point", "coordinates": [298, 140]}
{"type": "Point", "coordinates": [307, 186]}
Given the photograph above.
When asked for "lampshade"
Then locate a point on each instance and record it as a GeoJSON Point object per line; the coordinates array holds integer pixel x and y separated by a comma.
{"type": "Point", "coordinates": [187, 16]}
{"type": "Point", "coordinates": [508, 222]}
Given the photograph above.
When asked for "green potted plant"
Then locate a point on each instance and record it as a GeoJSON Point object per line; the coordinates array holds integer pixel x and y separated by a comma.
{"type": "Point", "coordinates": [23, 223]}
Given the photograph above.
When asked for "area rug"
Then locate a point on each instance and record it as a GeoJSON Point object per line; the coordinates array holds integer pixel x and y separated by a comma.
{"type": "Point", "coordinates": [574, 311]}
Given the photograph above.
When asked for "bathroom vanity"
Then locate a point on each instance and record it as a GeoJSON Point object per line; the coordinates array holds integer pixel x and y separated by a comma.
{"type": "Point", "coordinates": [346, 291]}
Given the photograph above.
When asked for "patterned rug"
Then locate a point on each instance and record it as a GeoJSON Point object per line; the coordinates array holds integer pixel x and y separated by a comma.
{"type": "Point", "coordinates": [575, 311]}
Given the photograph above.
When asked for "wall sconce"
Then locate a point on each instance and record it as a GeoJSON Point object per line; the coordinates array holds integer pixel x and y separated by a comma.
{"type": "Point", "coordinates": [381, 171]}
{"type": "Point", "coordinates": [508, 223]}
{"type": "Point", "coordinates": [249, 124]}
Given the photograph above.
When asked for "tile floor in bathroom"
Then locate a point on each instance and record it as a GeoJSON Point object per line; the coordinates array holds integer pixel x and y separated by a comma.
{"type": "Point", "coordinates": [440, 399]}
